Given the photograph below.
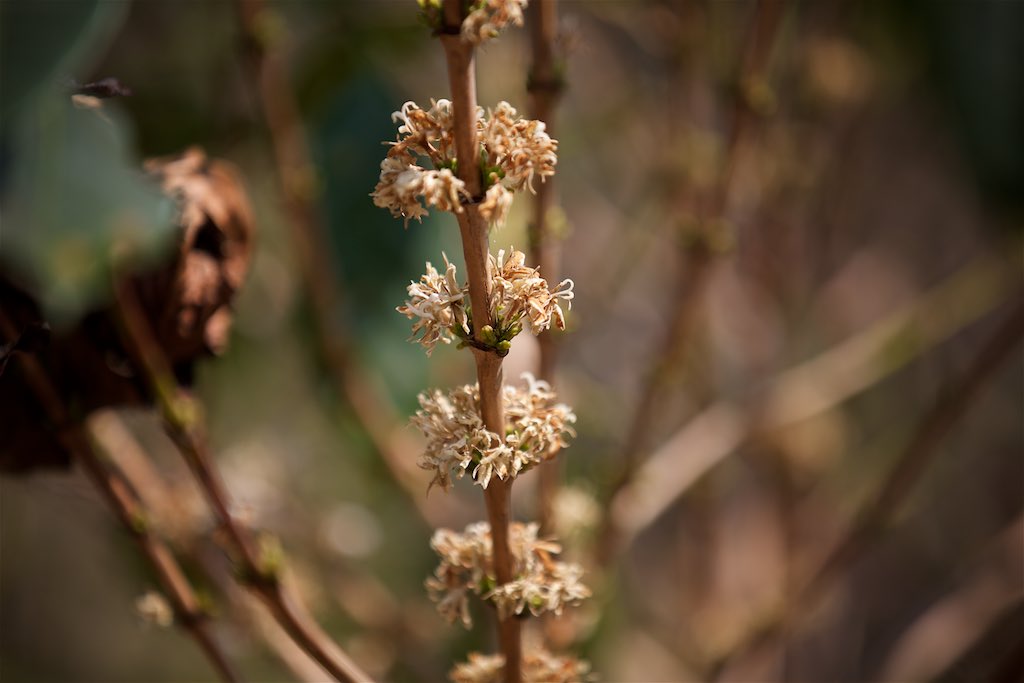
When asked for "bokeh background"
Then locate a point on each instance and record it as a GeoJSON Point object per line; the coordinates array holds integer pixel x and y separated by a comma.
{"type": "Point", "coordinates": [794, 228]}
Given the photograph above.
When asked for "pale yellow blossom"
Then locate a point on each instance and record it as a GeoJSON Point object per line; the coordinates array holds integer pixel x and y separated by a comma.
{"type": "Point", "coordinates": [488, 18]}
{"type": "Point", "coordinates": [441, 310]}
{"type": "Point", "coordinates": [539, 666]}
{"type": "Point", "coordinates": [541, 584]}
{"type": "Point", "coordinates": [514, 152]}
{"type": "Point", "coordinates": [537, 427]}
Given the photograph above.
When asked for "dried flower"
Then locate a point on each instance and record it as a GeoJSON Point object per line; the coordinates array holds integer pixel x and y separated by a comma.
{"type": "Point", "coordinates": [402, 184]}
{"type": "Point", "coordinates": [440, 306]}
{"type": "Point", "coordinates": [541, 584]}
{"type": "Point", "coordinates": [574, 511]}
{"type": "Point", "coordinates": [514, 150]}
{"type": "Point", "coordinates": [496, 204]}
{"type": "Point", "coordinates": [488, 18]}
{"type": "Point", "coordinates": [153, 608]}
{"type": "Point", "coordinates": [520, 148]}
{"type": "Point", "coordinates": [518, 290]}
{"type": "Point", "coordinates": [539, 666]}
{"type": "Point", "coordinates": [458, 441]}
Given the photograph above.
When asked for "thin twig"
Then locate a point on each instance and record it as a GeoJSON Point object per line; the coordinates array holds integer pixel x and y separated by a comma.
{"type": "Point", "coordinates": [296, 177]}
{"type": "Point", "coordinates": [545, 85]}
{"type": "Point", "coordinates": [122, 498]}
{"type": "Point", "coordinates": [954, 400]}
{"type": "Point", "coordinates": [183, 422]}
{"type": "Point", "coordinates": [459, 56]}
{"type": "Point", "coordinates": [698, 261]}
{"type": "Point", "coordinates": [811, 388]}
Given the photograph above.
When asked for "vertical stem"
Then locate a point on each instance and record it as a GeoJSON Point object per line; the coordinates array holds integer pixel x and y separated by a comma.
{"type": "Point", "coordinates": [545, 87]}
{"type": "Point", "coordinates": [699, 260]}
{"type": "Point", "coordinates": [473, 228]}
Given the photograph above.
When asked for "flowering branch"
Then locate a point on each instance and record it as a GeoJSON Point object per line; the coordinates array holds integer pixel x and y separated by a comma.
{"type": "Point", "coordinates": [479, 160]}
{"type": "Point", "coordinates": [260, 569]}
{"type": "Point", "coordinates": [459, 55]}
{"type": "Point", "coordinates": [129, 509]}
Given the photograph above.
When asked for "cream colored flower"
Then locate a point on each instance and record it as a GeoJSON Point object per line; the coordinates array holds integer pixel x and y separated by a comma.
{"type": "Point", "coordinates": [496, 204]}
{"type": "Point", "coordinates": [441, 310]}
{"type": "Point", "coordinates": [438, 304]}
{"type": "Point", "coordinates": [574, 511]}
{"type": "Point", "coordinates": [403, 184]}
{"type": "Point", "coordinates": [518, 291]}
{"type": "Point", "coordinates": [541, 584]}
{"type": "Point", "coordinates": [479, 669]}
{"type": "Point", "coordinates": [488, 18]}
{"type": "Point", "coordinates": [539, 666]}
{"type": "Point", "coordinates": [514, 151]}
{"type": "Point", "coordinates": [153, 608]}
{"type": "Point", "coordinates": [457, 441]}
{"type": "Point", "coordinates": [543, 592]}
{"type": "Point", "coordinates": [521, 148]}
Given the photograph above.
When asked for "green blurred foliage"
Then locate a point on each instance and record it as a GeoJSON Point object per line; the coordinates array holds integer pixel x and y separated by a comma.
{"type": "Point", "coordinates": [75, 202]}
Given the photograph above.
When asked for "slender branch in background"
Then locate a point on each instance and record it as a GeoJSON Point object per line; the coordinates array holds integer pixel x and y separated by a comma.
{"type": "Point", "coordinates": [183, 422]}
{"type": "Point", "coordinates": [459, 55]}
{"type": "Point", "coordinates": [698, 257]}
{"type": "Point", "coordinates": [954, 400]}
{"type": "Point", "coordinates": [545, 86]}
{"type": "Point", "coordinates": [296, 176]}
{"type": "Point", "coordinates": [811, 388]}
{"type": "Point", "coordinates": [128, 508]}
{"type": "Point", "coordinates": [114, 437]}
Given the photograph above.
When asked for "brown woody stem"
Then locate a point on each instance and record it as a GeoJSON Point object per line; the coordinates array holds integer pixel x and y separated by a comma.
{"type": "Point", "coordinates": [545, 88]}
{"type": "Point", "coordinates": [129, 509]}
{"type": "Point", "coordinates": [462, 81]}
{"type": "Point", "coordinates": [184, 425]}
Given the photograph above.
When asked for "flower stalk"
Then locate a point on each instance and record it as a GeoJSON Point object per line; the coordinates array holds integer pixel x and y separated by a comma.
{"type": "Point", "coordinates": [478, 160]}
{"type": "Point", "coordinates": [459, 55]}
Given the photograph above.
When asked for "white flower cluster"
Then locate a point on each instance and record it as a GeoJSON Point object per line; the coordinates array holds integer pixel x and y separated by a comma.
{"type": "Point", "coordinates": [521, 148]}
{"type": "Point", "coordinates": [539, 666]}
{"type": "Point", "coordinates": [402, 184]}
{"type": "Point", "coordinates": [488, 18]}
{"type": "Point", "coordinates": [518, 290]}
{"type": "Point", "coordinates": [515, 150]}
{"type": "Point", "coordinates": [457, 440]}
{"type": "Point", "coordinates": [440, 305]}
{"type": "Point", "coordinates": [541, 584]}
{"type": "Point", "coordinates": [153, 608]}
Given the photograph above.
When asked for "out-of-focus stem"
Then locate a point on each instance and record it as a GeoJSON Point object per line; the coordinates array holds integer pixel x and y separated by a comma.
{"type": "Point", "coordinates": [545, 87]}
{"type": "Point", "coordinates": [807, 389]}
{"type": "Point", "coordinates": [462, 82]}
{"type": "Point", "coordinates": [955, 398]}
{"type": "Point", "coordinates": [183, 422]}
{"type": "Point", "coordinates": [297, 179]}
{"type": "Point", "coordinates": [699, 257]}
{"type": "Point", "coordinates": [126, 505]}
